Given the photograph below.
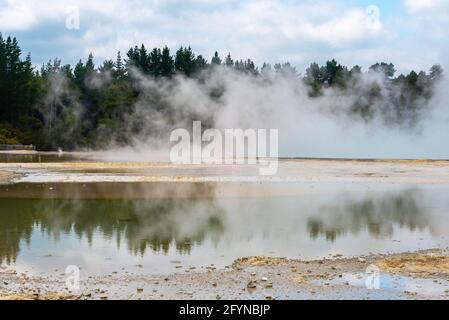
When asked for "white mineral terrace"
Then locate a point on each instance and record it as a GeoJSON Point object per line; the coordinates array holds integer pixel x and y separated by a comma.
{"type": "Point", "coordinates": [291, 170]}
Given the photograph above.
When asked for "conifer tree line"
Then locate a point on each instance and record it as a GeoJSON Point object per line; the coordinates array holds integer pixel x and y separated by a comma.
{"type": "Point", "coordinates": [81, 106]}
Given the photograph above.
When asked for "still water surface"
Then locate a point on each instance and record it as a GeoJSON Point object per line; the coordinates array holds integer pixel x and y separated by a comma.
{"type": "Point", "coordinates": [44, 228]}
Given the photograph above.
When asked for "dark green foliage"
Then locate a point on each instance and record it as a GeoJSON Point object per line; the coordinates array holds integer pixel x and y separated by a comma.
{"type": "Point", "coordinates": [215, 59]}
{"type": "Point", "coordinates": [90, 107]}
{"type": "Point", "coordinates": [119, 70]}
{"type": "Point", "coordinates": [19, 91]}
{"type": "Point", "coordinates": [167, 66]}
{"type": "Point", "coordinates": [185, 61]}
{"type": "Point", "coordinates": [385, 68]}
{"type": "Point", "coordinates": [228, 61]}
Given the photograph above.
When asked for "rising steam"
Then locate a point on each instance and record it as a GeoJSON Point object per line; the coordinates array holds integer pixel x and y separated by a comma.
{"type": "Point", "coordinates": [323, 126]}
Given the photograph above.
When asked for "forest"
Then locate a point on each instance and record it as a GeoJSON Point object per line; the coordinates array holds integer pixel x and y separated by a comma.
{"type": "Point", "coordinates": [39, 107]}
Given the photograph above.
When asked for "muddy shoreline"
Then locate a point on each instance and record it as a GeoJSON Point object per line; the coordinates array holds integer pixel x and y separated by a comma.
{"type": "Point", "coordinates": [258, 278]}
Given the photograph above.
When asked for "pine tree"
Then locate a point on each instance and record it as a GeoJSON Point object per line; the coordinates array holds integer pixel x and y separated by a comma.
{"type": "Point", "coordinates": [143, 59]}
{"type": "Point", "coordinates": [167, 63]}
{"type": "Point", "coordinates": [215, 59]}
{"type": "Point", "coordinates": [79, 74]}
{"type": "Point", "coordinates": [133, 58]}
{"type": "Point", "coordinates": [155, 62]}
{"type": "Point", "coordinates": [228, 61]}
{"type": "Point", "coordinates": [3, 79]}
{"type": "Point", "coordinates": [107, 67]}
{"type": "Point", "coordinates": [185, 61]}
{"type": "Point", "coordinates": [119, 67]}
{"type": "Point", "coordinates": [90, 66]}
{"type": "Point", "coordinates": [200, 63]}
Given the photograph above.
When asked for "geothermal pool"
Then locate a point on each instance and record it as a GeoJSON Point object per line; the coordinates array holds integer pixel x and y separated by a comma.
{"type": "Point", "coordinates": [169, 227]}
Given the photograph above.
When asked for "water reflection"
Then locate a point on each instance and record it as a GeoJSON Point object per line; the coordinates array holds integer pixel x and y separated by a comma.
{"type": "Point", "coordinates": [379, 216]}
{"type": "Point", "coordinates": [234, 225]}
{"type": "Point", "coordinates": [154, 224]}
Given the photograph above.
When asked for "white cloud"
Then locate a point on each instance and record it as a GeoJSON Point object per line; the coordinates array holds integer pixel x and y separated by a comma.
{"type": "Point", "coordinates": [16, 16]}
{"type": "Point", "coordinates": [26, 14]}
{"type": "Point", "coordinates": [264, 30]}
{"type": "Point", "coordinates": [428, 21]}
{"type": "Point", "coordinates": [228, 22]}
{"type": "Point", "coordinates": [416, 6]}
{"type": "Point", "coordinates": [352, 26]}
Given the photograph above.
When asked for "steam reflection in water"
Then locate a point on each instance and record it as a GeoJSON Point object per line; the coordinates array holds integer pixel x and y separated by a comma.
{"type": "Point", "coordinates": [103, 234]}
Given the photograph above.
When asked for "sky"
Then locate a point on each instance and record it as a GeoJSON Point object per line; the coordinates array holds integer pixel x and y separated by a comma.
{"type": "Point", "coordinates": [413, 34]}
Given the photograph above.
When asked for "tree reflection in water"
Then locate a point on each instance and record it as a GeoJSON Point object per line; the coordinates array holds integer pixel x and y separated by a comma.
{"type": "Point", "coordinates": [154, 224]}
{"type": "Point", "coordinates": [172, 221]}
{"type": "Point", "coordinates": [378, 216]}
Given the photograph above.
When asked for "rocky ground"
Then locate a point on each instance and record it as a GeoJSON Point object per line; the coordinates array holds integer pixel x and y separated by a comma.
{"type": "Point", "coordinates": [419, 275]}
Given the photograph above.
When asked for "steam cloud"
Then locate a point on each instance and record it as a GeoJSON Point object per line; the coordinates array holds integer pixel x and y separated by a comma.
{"type": "Point", "coordinates": [322, 126]}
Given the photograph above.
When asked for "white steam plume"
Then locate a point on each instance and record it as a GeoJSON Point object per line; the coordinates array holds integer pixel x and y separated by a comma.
{"type": "Point", "coordinates": [321, 126]}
